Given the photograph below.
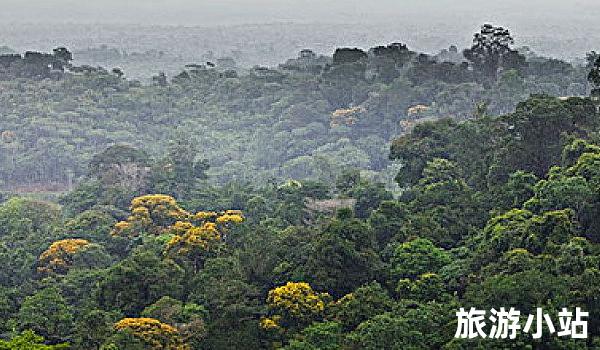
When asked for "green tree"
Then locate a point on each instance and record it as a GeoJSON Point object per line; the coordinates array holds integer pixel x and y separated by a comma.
{"type": "Point", "coordinates": [93, 327]}
{"type": "Point", "coordinates": [387, 331]}
{"type": "Point", "coordinates": [343, 257]}
{"type": "Point", "coordinates": [416, 257]}
{"type": "Point", "coordinates": [362, 304]}
{"type": "Point", "coordinates": [123, 287]}
{"type": "Point", "coordinates": [121, 165]}
{"type": "Point", "coordinates": [187, 318]}
{"type": "Point", "coordinates": [46, 313]}
{"type": "Point", "coordinates": [318, 336]}
{"type": "Point", "coordinates": [594, 77]}
{"type": "Point", "coordinates": [28, 340]}
{"type": "Point", "coordinates": [491, 50]}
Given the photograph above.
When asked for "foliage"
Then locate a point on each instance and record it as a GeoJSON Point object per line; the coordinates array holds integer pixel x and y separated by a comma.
{"type": "Point", "coordinates": [276, 122]}
{"type": "Point", "coordinates": [150, 214]}
{"type": "Point", "coordinates": [121, 288]}
{"type": "Point", "coordinates": [414, 258]}
{"type": "Point", "coordinates": [46, 313]}
{"type": "Point", "coordinates": [59, 256]}
{"type": "Point", "coordinates": [491, 50]}
{"type": "Point", "coordinates": [28, 340]}
{"type": "Point", "coordinates": [256, 209]}
{"type": "Point", "coordinates": [594, 76]}
{"type": "Point", "coordinates": [293, 304]}
{"type": "Point", "coordinates": [153, 333]}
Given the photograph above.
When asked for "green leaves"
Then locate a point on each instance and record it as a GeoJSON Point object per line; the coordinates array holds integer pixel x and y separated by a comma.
{"type": "Point", "coordinates": [47, 313]}
{"type": "Point", "coordinates": [28, 340]}
{"type": "Point", "coordinates": [123, 289]}
{"type": "Point", "coordinates": [417, 257]}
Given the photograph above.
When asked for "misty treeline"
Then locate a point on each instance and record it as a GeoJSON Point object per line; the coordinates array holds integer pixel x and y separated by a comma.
{"type": "Point", "coordinates": [226, 209]}
{"type": "Point", "coordinates": [306, 119]}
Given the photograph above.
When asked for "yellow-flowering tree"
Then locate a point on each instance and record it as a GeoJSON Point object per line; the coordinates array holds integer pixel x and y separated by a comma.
{"type": "Point", "coordinates": [346, 116]}
{"type": "Point", "coordinates": [194, 241]}
{"type": "Point", "coordinates": [194, 237]}
{"type": "Point", "coordinates": [58, 258]}
{"type": "Point", "coordinates": [293, 305]}
{"type": "Point", "coordinates": [154, 334]}
{"type": "Point", "coordinates": [157, 214]}
{"type": "Point", "coordinates": [151, 214]}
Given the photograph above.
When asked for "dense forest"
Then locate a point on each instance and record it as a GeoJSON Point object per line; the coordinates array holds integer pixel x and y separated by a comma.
{"type": "Point", "coordinates": [352, 201]}
{"type": "Point", "coordinates": [307, 119]}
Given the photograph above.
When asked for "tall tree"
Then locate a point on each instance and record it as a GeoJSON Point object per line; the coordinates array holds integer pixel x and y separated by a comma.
{"type": "Point", "coordinates": [491, 48]}
{"type": "Point", "coordinates": [594, 77]}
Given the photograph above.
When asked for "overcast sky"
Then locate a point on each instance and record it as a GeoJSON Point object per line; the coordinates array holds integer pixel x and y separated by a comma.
{"type": "Point", "coordinates": [212, 12]}
{"type": "Point", "coordinates": [558, 28]}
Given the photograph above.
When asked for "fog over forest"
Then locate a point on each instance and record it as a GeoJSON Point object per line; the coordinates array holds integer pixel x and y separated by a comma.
{"type": "Point", "coordinates": [213, 12]}
{"type": "Point", "coordinates": [552, 28]}
{"type": "Point", "coordinates": [299, 175]}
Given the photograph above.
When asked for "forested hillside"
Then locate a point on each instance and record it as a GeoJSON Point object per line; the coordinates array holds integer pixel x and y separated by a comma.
{"type": "Point", "coordinates": [308, 119]}
{"type": "Point", "coordinates": [224, 209]}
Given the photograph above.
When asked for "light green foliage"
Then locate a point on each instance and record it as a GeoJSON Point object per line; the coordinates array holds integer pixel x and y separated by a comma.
{"type": "Point", "coordinates": [519, 228]}
{"type": "Point", "coordinates": [416, 257]}
{"type": "Point", "coordinates": [28, 340]}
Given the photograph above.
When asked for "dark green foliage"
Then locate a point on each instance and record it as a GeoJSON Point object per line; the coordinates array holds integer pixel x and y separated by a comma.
{"type": "Point", "coordinates": [491, 50]}
{"type": "Point", "coordinates": [347, 55]}
{"type": "Point", "coordinates": [322, 336]}
{"type": "Point", "coordinates": [46, 313]}
{"type": "Point", "coordinates": [496, 205]}
{"type": "Point", "coordinates": [362, 304]}
{"type": "Point", "coordinates": [387, 331]}
{"type": "Point", "coordinates": [594, 77]}
{"type": "Point", "coordinates": [122, 287]}
{"type": "Point", "coordinates": [343, 257]}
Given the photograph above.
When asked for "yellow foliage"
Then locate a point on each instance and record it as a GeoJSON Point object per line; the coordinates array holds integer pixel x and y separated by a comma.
{"type": "Point", "coordinates": [204, 215]}
{"type": "Point", "coordinates": [418, 110]}
{"type": "Point", "coordinates": [270, 323]}
{"type": "Point", "coordinates": [194, 244]}
{"type": "Point", "coordinates": [58, 257]}
{"type": "Point", "coordinates": [155, 334]}
{"type": "Point", "coordinates": [122, 225]}
{"type": "Point", "coordinates": [180, 228]}
{"type": "Point", "coordinates": [158, 214]}
{"type": "Point", "coordinates": [348, 116]}
{"type": "Point", "coordinates": [150, 214]}
{"type": "Point", "coordinates": [343, 112]}
{"type": "Point", "coordinates": [193, 235]}
{"type": "Point", "coordinates": [297, 299]}
{"type": "Point", "coordinates": [233, 212]}
{"type": "Point", "coordinates": [158, 207]}
{"type": "Point", "coordinates": [226, 218]}
{"type": "Point", "coordinates": [152, 200]}
{"type": "Point", "coordinates": [346, 299]}
{"type": "Point", "coordinates": [194, 241]}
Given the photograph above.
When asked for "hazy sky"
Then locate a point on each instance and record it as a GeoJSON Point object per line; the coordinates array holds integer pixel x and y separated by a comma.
{"type": "Point", "coordinates": [211, 12]}
{"type": "Point", "coordinates": [559, 28]}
